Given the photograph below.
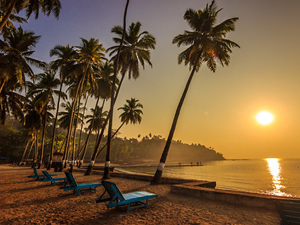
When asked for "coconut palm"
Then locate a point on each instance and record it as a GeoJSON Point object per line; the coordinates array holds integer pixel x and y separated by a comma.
{"type": "Point", "coordinates": [132, 113]}
{"type": "Point", "coordinates": [31, 6]}
{"type": "Point", "coordinates": [96, 120]}
{"type": "Point", "coordinates": [15, 58]}
{"type": "Point", "coordinates": [207, 44]}
{"type": "Point", "coordinates": [133, 50]}
{"type": "Point", "coordinates": [11, 102]}
{"type": "Point", "coordinates": [43, 96]}
{"type": "Point", "coordinates": [66, 58]}
{"type": "Point", "coordinates": [9, 25]}
{"type": "Point", "coordinates": [103, 90]}
{"type": "Point", "coordinates": [90, 56]}
{"type": "Point", "coordinates": [65, 120]}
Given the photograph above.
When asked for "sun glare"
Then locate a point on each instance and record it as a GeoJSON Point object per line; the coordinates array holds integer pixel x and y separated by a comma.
{"type": "Point", "coordinates": [264, 118]}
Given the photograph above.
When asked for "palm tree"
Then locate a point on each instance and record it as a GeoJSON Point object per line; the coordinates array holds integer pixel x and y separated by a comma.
{"type": "Point", "coordinates": [43, 93]}
{"type": "Point", "coordinates": [33, 121]}
{"type": "Point", "coordinates": [131, 114]}
{"type": "Point", "coordinates": [96, 120]}
{"type": "Point", "coordinates": [15, 58]}
{"type": "Point", "coordinates": [11, 102]}
{"type": "Point", "coordinates": [133, 50]}
{"type": "Point", "coordinates": [66, 57]}
{"type": "Point", "coordinates": [90, 56]}
{"type": "Point", "coordinates": [32, 6]}
{"type": "Point", "coordinates": [65, 120]}
{"type": "Point", "coordinates": [207, 44]}
{"type": "Point", "coordinates": [104, 82]}
{"type": "Point", "coordinates": [9, 25]}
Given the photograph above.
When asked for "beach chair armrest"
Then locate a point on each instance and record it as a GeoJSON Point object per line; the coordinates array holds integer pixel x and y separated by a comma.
{"type": "Point", "coordinates": [103, 200]}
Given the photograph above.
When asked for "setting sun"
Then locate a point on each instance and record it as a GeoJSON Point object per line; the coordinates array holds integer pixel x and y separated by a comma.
{"type": "Point", "coordinates": [264, 118]}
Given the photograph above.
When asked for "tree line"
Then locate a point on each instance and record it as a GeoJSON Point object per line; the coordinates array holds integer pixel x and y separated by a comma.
{"type": "Point", "coordinates": [141, 150]}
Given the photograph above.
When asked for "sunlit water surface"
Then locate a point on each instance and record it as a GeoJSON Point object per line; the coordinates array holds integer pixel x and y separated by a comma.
{"type": "Point", "coordinates": [268, 176]}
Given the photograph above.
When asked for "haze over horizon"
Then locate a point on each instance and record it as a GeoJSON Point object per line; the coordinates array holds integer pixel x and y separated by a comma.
{"type": "Point", "coordinates": [220, 107]}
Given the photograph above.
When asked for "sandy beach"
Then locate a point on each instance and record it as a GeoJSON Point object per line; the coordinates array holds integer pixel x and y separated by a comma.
{"type": "Point", "coordinates": [27, 201]}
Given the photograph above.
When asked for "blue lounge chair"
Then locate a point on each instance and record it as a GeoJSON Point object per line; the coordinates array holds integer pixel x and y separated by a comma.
{"type": "Point", "coordinates": [77, 187]}
{"type": "Point", "coordinates": [38, 176]}
{"type": "Point", "coordinates": [118, 199]}
{"type": "Point", "coordinates": [49, 178]}
{"type": "Point", "coordinates": [289, 211]}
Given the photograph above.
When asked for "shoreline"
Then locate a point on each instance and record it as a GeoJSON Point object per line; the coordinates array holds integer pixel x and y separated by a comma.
{"type": "Point", "coordinates": [26, 201]}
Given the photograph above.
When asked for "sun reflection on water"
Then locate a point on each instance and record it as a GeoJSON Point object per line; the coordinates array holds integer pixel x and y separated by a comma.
{"type": "Point", "coordinates": [275, 170]}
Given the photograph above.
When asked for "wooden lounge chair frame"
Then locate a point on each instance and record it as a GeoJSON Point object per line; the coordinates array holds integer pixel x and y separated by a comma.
{"type": "Point", "coordinates": [138, 199]}
{"type": "Point", "coordinates": [49, 178]}
{"type": "Point", "coordinates": [38, 176]}
{"type": "Point", "coordinates": [289, 211]}
{"type": "Point", "coordinates": [80, 188]}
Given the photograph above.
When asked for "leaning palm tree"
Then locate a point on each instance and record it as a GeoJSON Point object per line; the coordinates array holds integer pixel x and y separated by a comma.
{"type": "Point", "coordinates": [207, 44]}
{"type": "Point", "coordinates": [66, 58]}
{"type": "Point", "coordinates": [132, 113]}
{"type": "Point", "coordinates": [31, 6]}
{"type": "Point", "coordinates": [112, 102]}
{"type": "Point", "coordinates": [133, 50]}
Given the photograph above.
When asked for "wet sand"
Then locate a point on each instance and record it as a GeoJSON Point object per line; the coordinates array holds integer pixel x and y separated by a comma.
{"type": "Point", "coordinates": [27, 201]}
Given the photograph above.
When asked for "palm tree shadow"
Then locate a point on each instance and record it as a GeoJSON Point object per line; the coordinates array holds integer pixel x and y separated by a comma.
{"type": "Point", "coordinates": [32, 188]}
{"type": "Point", "coordinates": [20, 182]}
{"type": "Point", "coordinates": [38, 202]}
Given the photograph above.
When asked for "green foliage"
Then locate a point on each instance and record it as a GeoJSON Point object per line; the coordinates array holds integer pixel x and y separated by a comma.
{"type": "Point", "coordinates": [12, 142]}
{"type": "Point", "coordinates": [148, 149]}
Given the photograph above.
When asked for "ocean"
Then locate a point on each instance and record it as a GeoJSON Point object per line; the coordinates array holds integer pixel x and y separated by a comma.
{"type": "Point", "coordinates": [270, 176]}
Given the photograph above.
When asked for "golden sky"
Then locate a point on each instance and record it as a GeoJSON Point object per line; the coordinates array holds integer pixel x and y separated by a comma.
{"type": "Point", "coordinates": [220, 107]}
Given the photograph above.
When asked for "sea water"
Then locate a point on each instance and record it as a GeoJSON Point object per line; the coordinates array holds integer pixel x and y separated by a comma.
{"type": "Point", "coordinates": [271, 176]}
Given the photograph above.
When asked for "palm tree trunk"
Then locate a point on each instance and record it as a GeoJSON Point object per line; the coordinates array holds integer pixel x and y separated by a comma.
{"type": "Point", "coordinates": [73, 113]}
{"type": "Point", "coordinates": [7, 15]}
{"type": "Point", "coordinates": [158, 174]}
{"type": "Point", "coordinates": [62, 164]}
{"type": "Point", "coordinates": [66, 149]}
{"type": "Point", "coordinates": [24, 153]}
{"type": "Point", "coordinates": [98, 153]}
{"type": "Point", "coordinates": [2, 85]}
{"type": "Point", "coordinates": [90, 167]}
{"type": "Point", "coordinates": [43, 139]}
{"type": "Point", "coordinates": [81, 128]}
{"type": "Point", "coordinates": [112, 102]}
{"type": "Point", "coordinates": [54, 128]}
{"type": "Point", "coordinates": [28, 155]}
{"type": "Point", "coordinates": [98, 141]}
{"type": "Point", "coordinates": [74, 136]}
{"type": "Point", "coordinates": [73, 151]}
{"type": "Point", "coordinates": [35, 149]}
